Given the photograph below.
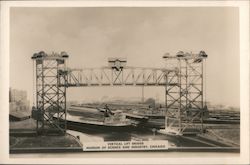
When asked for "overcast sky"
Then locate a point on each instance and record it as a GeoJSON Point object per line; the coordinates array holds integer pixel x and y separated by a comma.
{"type": "Point", "coordinates": [142, 35]}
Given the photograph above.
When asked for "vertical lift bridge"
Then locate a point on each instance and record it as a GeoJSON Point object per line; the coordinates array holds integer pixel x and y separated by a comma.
{"type": "Point", "coordinates": [182, 78]}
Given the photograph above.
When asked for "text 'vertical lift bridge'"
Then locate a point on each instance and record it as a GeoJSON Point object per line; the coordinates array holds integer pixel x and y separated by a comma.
{"type": "Point", "coordinates": [182, 78]}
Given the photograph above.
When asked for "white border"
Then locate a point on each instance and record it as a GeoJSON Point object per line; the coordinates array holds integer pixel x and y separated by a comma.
{"type": "Point", "coordinates": [119, 158]}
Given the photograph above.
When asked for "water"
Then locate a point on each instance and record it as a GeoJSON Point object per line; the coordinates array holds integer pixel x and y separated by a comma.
{"type": "Point", "coordinates": [86, 134]}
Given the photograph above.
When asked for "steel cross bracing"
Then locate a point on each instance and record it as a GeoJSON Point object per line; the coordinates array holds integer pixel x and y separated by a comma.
{"type": "Point", "coordinates": [185, 100]}
{"type": "Point", "coordinates": [50, 97]}
{"type": "Point", "coordinates": [107, 76]}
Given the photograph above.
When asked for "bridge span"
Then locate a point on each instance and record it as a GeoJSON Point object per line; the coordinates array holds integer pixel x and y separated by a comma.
{"type": "Point", "coordinates": [127, 76]}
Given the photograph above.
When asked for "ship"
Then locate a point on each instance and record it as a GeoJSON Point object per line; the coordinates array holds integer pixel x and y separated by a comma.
{"type": "Point", "coordinates": [101, 119]}
{"type": "Point", "coordinates": [113, 124]}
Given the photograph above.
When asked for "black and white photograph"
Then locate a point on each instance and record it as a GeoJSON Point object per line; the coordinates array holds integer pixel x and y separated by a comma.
{"type": "Point", "coordinates": [125, 80]}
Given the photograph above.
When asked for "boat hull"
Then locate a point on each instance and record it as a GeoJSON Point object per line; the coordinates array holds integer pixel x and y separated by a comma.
{"type": "Point", "coordinates": [84, 126]}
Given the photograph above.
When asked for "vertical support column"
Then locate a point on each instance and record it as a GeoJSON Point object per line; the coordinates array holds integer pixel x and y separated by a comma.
{"type": "Point", "coordinates": [202, 95]}
{"type": "Point", "coordinates": [166, 98]}
{"type": "Point", "coordinates": [62, 86]}
{"type": "Point", "coordinates": [180, 96]}
{"type": "Point", "coordinates": [42, 94]}
{"type": "Point", "coordinates": [186, 89]}
{"type": "Point", "coordinates": [172, 95]}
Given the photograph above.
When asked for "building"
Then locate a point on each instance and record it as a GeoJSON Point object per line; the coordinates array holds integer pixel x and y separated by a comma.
{"type": "Point", "coordinates": [19, 105]}
{"type": "Point", "coordinates": [17, 95]}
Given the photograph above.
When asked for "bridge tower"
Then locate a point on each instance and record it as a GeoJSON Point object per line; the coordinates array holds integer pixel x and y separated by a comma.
{"type": "Point", "coordinates": [50, 83]}
{"type": "Point", "coordinates": [184, 96]}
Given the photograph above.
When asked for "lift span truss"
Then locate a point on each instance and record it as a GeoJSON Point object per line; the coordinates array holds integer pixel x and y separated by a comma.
{"type": "Point", "coordinates": [50, 97]}
{"type": "Point", "coordinates": [107, 76]}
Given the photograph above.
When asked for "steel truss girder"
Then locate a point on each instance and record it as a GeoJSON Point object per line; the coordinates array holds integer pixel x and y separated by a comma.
{"type": "Point", "coordinates": [107, 76]}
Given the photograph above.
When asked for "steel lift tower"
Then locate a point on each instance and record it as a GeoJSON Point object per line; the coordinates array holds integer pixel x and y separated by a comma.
{"type": "Point", "coordinates": [50, 110]}
{"type": "Point", "coordinates": [185, 106]}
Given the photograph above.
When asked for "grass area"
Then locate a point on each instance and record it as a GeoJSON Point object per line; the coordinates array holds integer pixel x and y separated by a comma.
{"type": "Point", "coordinates": [229, 134]}
{"type": "Point", "coordinates": [20, 113]}
{"type": "Point", "coordinates": [44, 141]}
{"type": "Point", "coordinates": [13, 141]}
{"type": "Point", "coordinates": [225, 135]}
{"type": "Point", "coordinates": [25, 124]}
{"type": "Point", "coordinates": [38, 141]}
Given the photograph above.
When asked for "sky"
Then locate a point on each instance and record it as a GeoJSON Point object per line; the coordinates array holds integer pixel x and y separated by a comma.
{"type": "Point", "coordinates": [141, 34]}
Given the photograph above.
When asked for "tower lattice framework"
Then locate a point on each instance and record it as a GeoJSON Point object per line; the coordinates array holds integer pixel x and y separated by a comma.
{"type": "Point", "coordinates": [184, 93]}
{"type": "Point", "coordinates": [50, 110]}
